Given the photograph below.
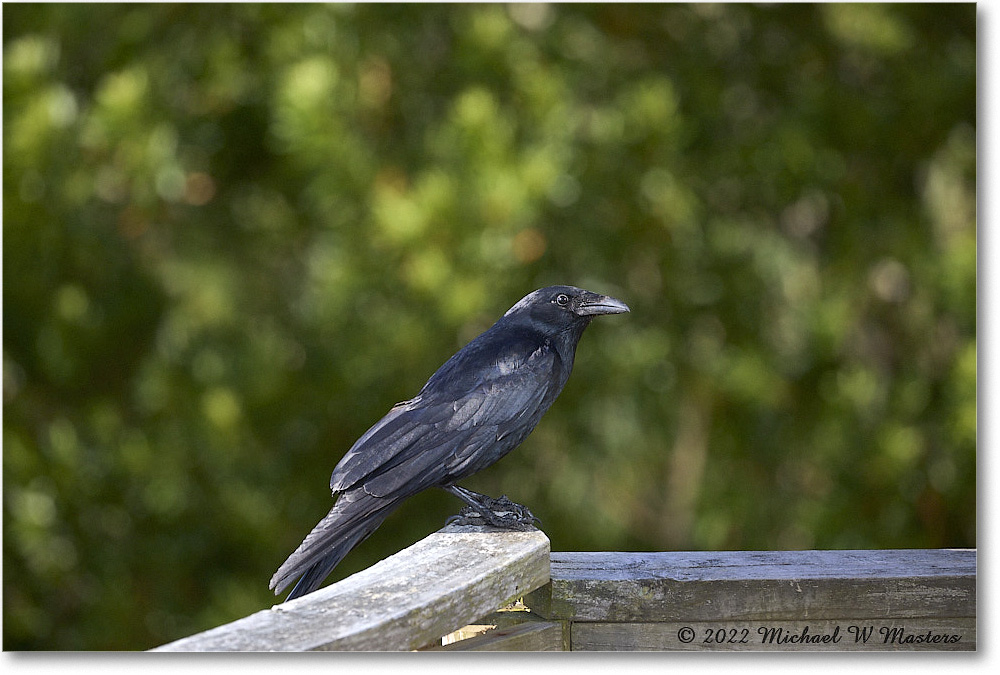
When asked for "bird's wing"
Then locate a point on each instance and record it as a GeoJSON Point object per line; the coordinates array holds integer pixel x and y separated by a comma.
{"type": "Point", "coordinates": [435, 435]}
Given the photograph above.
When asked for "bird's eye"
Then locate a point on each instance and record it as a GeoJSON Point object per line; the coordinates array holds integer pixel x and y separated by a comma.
{"type": "Point", "coordinates": [562, 299]}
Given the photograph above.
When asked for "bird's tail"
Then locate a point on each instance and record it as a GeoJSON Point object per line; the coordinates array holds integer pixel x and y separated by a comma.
{"type": "Point", "coordinates": [355, 516]}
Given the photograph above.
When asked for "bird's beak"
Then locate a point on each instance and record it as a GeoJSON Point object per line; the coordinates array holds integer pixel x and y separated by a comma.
{"type": "Point", "coordinates": [595, 304]}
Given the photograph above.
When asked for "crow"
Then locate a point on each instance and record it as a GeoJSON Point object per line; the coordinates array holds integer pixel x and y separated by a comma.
{"type": "Point", "coordinates": [475, 409]}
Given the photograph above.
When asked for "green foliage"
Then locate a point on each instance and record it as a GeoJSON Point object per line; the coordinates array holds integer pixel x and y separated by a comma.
{"type": "Point", "coordinates": [234, 235]}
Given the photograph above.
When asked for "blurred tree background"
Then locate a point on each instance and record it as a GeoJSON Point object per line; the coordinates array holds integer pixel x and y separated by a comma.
{"type": "Point", "coordinates": [235, 235]}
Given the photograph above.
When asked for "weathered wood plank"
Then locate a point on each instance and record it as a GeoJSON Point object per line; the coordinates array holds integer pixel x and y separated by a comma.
{"type": "Point", "coordinates": [531, 636]}
{"type": "Point", "coordinates": [505, 617]}
{"type": "Point", "coordinates": [754, 586]}
{"type": "Point", "coordinates": [510, 616]}
{"type": "Point", "coordinates": [822, 635]}
{"type": "Point", "coordinates": [439, 584]}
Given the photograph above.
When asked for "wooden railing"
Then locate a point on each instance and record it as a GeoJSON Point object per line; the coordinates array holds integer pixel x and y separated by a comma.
{"type": "Point", "coordinates": [473, 588]}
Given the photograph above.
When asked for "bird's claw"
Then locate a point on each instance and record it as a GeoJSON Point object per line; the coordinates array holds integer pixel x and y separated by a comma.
{"type": "Point", "coordinates": [521, 514]}
{"type": "Point", "coordinates": [502, 513]}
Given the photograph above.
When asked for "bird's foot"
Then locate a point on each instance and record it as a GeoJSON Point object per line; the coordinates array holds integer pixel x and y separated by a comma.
{"type": "Point", "coordinates": [500, 512]}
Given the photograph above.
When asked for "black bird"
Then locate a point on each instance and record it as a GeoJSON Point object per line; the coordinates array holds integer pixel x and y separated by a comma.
{"type": "Point", "coordinates": [475, 409]}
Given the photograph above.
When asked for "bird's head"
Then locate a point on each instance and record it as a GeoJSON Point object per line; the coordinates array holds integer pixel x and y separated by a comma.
{"type": "Point", "coordinates": [561, 307]}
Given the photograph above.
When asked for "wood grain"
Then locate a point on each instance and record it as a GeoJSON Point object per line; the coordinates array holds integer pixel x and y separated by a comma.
{"type": "Point", "coordinates": [755, 586]}
{"type": "Point", "coordinates": [408, 600]}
